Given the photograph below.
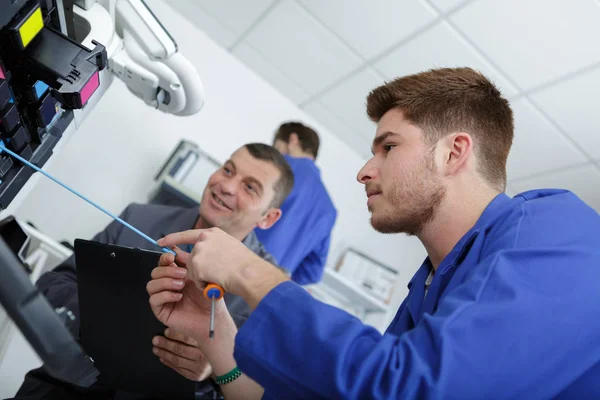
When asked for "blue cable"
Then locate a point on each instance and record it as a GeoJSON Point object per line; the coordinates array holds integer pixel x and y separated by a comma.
{"type": "Point", "coordinates": [142, 234]}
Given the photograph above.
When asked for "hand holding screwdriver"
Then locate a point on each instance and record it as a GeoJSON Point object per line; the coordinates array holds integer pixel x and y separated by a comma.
{"type": "Point", "coordinates": [213, 292]}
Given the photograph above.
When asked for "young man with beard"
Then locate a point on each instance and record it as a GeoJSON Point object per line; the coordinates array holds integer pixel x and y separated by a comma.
{"type": "Point", "coordinates": [246, 192]}
{"type": "Point", "coordinates": [505, 305]}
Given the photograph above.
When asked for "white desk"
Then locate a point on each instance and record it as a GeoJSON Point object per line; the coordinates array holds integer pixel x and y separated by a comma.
{"type": "Point", "coordinates": [336, 287]}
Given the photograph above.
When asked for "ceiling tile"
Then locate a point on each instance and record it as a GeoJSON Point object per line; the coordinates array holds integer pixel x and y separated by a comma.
{"type": "Point", "coordinates": [348, 99]}
{"type": "Point", "coordinates": [447, 5]}
{"type": "Point", "coordinates": [534, 41]}
{"type": "Point", "coordinates": [573, 105]}
{"type": "Point", "coordinates": [205, 22]}
{"type": "Point", "coordinates": [326, 118]}
{"type": "Point", "coordinates": [370, 29]}
{"type": "Point", "coordinates": [264, 68]}
{"type": "Point", "coordinates": [237, 15]}
{"type": "Point", "coordinates": [538, 146]}
{"type": "Point", "coordinates": [437, 47]}
{"type": "Point", "coordinates": [576, 180]}
{"type": "Point", "coordinates": [301, 48]}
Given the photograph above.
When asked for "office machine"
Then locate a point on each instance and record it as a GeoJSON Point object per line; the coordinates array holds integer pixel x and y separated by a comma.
{"type": "Point", "coordinates": [57, 58]}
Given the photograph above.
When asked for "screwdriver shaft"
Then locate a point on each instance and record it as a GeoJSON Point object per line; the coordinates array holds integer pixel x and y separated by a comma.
{"type": "Point", "coordinates": [211, 334]}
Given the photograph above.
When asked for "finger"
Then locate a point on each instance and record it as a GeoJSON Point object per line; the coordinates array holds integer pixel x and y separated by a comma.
{"type": "Point", "coordinates": [182, 256]}
{"type": "Point", "coordinates": [179, 349]}
{"type": "Point", "coordinates": [166, 259]}
{"type": "Point", "coordinates": [160, 299]}
{"type": "Point", "coordinates": [164, 284]}
{"type": "Point", "coordinates": [172, 271]}
{"type": "Point", "coordinates": [178, 361]}
{"type": "Point", "coordinates": [188, 374]}
{"type": "Point", "coordinates": [174, 335]}
{"type": "Point", "coordinates": [186, 237]}
{"type": "Point", "coordinates": [201, 285]}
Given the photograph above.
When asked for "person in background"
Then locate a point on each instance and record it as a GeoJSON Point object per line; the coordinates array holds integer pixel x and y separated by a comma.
{"type": "Point", "coordinates": [301, 238]}
{"type": "Point", "coordinates": [245, 192]}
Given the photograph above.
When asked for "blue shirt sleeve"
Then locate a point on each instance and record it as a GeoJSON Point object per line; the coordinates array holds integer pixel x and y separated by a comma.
{"type": "Point", "coordinates": [489, 335]}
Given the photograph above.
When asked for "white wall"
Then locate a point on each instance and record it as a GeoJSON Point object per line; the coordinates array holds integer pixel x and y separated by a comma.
{"type": "Point", "coordinates": [116, 153]}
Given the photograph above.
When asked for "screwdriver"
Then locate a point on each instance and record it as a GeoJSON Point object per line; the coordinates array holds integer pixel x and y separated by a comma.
{"type": "Point", "coordinates": [213, 292]}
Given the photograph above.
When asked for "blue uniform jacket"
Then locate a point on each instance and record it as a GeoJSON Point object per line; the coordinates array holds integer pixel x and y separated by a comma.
{"type": "Point", "coordinates": [513, 312]}
{"type": "Point", "coordinates": [300, 240]}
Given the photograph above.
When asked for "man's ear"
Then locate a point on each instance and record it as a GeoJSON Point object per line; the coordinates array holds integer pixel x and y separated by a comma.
{"type": "Point", "coordinates": [294, 145]}
{"type": "Point", "coordinates": [271, 216]}
{"type": "Point", "coordinates": [294, 139]}
{"type": "Point", "coordinates": [457, 150]}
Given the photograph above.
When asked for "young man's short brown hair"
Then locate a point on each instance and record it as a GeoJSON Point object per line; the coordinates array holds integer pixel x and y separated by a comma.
{"type": "Point", "coordinates": [309, 139]}
{"type": "Point", "coordinates": [446, 100]}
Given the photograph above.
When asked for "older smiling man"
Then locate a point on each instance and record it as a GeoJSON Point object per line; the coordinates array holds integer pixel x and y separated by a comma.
{"type": "Point", "coordinates": [245, 193]}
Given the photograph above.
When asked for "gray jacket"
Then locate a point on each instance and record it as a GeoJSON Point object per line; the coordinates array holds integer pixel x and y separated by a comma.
{"type": "Point", "coordinates": [156, 221]}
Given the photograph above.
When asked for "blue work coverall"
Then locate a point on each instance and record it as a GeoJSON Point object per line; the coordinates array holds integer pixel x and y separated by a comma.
{"type": "Point", "coordinates": [300, 240]}
{"type": "Point", "coordinates": [512, 312]}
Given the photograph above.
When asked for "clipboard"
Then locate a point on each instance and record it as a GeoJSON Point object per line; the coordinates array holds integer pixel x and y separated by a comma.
{"type": "Point", "coordinates": [117, 324]}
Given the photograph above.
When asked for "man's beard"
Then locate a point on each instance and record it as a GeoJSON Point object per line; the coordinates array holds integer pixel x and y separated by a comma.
{"type": "Point", "coordinates": [414, 199]}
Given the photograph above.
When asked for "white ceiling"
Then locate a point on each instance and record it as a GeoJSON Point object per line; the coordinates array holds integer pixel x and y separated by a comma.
{"type": "Point", "coordinates": [326, 55]}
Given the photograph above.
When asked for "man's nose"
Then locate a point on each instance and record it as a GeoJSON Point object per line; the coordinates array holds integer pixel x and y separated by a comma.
{"type": "Point", "coordinates": [367, 172]}
{"type": "Point", "coordinates": [229, 186]}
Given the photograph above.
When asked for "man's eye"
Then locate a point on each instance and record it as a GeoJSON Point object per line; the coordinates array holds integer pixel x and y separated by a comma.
{"type": "Point", "coordinates": [251, 188]}
{"type": "Point", "coordinates": [388, 147]}
{"type": "Point", "coordinates": [226, 170]}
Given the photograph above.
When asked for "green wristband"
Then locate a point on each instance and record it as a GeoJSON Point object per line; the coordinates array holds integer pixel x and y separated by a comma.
{"type": "Point", "coordinates": [228, 377]}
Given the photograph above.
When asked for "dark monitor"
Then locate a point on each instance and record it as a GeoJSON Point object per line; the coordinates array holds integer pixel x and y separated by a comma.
{"type": "Point", "coordinates": [62, 356]}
